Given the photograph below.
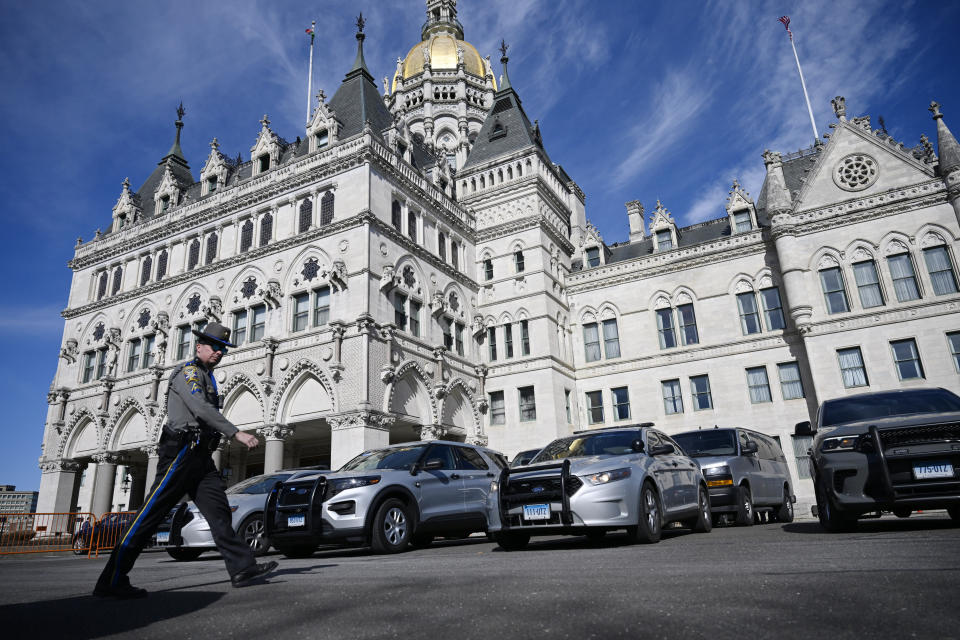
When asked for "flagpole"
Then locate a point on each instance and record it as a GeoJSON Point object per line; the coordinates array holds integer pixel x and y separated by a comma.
{"type": "Point", "coordinates": [312, 31]}
{"type": "Point", "coordinates": [813, 125]}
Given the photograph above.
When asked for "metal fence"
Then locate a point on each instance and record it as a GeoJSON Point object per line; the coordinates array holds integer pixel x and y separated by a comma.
{"type": "Point", "coordinates": [81, 533]}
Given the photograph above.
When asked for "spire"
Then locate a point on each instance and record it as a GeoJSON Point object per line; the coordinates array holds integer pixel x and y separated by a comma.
{"type": "Point", "coordinates": [949, 150]}
{"type": "Point", "coordinates": [775, 194]}
{"type": "Point", "coordinates": [175, 150]}
{"type": "Point", "coordinates": [505, 81]}
{"type": "Point", "coordinates": [360, 63]}
{"type": "Point", "coordinates": [441, 18]}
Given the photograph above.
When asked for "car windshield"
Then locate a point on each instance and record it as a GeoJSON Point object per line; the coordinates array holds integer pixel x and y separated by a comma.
{"type": "Point", "coordinates": [258, 484]}
{"type": "Point", "coordinates": [713, 442]}
{"type": "Point", "coordinates": [884, 405]}
{"type": "Point", "coordinates": [401, 458]}
{"type": "Point", "coordinates": [617, 443]}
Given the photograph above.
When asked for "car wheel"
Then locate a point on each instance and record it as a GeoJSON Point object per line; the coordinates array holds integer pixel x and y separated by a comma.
{"type": "Point", "coordinates": [650, 519]}
{"type": "Point", "coordinates": [703, 523]}
{"type": "Point", "coordinates": [902, 513]}
{"type": "Point", "coordinates": [596, 535]}
{"type": "Point", "coordinates": [185, 554]}
{"type": "Point", "coordinates": [296, 550]}
{"type": "Point", "coordinates": [830, 518]}
{"type": "Point", "coordinates": [392, 526]}
{"type": "Point", "coordinates": [421, 540]}
{"type": "Point", "coordinates": [80, 547]}
{"type": "Point", "coordinates": [745, 514]}
{"type": "Point", "coordinates": [511, 540]}
{"type": "Point", "coordinates": [784, 512]}
{"type": "Point", "coordinates": [251, 532]}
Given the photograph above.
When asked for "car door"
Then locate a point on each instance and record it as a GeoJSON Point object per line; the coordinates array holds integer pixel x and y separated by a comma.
{"type": "Point", "coordinates": [753, 463]}
{"type": "Point", "coordinates": [688, 474]}
{"type": "Point", "coordinates": [662, 468]}
{"type": "Point", "coordinates": [441, 490]}
{"type": "Point", "coordinates": [476, 474]}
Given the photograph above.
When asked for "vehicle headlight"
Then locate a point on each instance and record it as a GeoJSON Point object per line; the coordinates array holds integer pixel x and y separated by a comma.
{"type": "Point", "coordinates": [843, 443]}
{"type": "Point", "coordinates": [608, 476]}
{"type": "Point", "coordinates": [718, 470]}
{"type": "Point", "coordinates": [342, 484]}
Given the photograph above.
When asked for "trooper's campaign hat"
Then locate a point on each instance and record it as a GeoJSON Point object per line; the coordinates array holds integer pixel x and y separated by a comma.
{"type": "Point", "coordinates": [216, 333]}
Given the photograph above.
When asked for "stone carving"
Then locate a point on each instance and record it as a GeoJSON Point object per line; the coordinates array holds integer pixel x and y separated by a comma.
{"type": "Point", "coordinates": [860, 254]}
{"type": "Point", "coordinates": [113, 353]}
{"type": "Point", "coordinates": [432, 432]}
{"type": "Point", "coordinates": [386, 85]}
{"type": "Point", "coordinates": [213, 310]}
{"type": "Point", "coordinates": [272, 294]}
{"type": "Point", "coordinates": [839, 107]}
{"type": "Point", "coordinates": [931, 239]}
{"type": "Point", "coordinates": [477, 327]}
{"type": "Point", "coordinates": [425, 49]}
{"type": "Point", "coordinates": [460, 55]}
{"type": "Point", "coordinates": [662, 302]}
{"type": "Point", "coordinates": [69, 352]}
{"type": "Point", "coordinates": [162, 328]}
{"type": "Point", "coordinates": [249, 287]}
{"type": "Point", "coordinates": [743, 286]}
{"type": "Point", "coordinates": [856, 172]}
{"type": "Point", "coordinates": [827, 261]}
{"type": "Point", "coordinates": [387, 374]}
{"type": "Point", "coordinates": [683, 298]}
{"type": "Point", "coordinates": [337, 275]}
{"type": "Point", "coordinates": [895, 247]}
{"type": "Point", "coordinates": [387, 279]}
{"type": "Point", "coordinates": [275, 431]}
{"type": "Point", "coordinates": [437, 304]}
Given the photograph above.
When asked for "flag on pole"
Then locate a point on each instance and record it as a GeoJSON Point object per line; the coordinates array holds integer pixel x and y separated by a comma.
{"type": "Point", "coordinates": [785, 20]}
{"type": "Point", "coordinates": [311, 33]}
{"type": "Point", "coordinates": [786, 24]}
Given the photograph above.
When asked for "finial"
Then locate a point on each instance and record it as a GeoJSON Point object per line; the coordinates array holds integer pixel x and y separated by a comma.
{"type": "Point", "coordinates": [265, 121]}
{"type": "Point", "coordinates": [735, 186]}
{"type": "Point", "coordinates": [505, 78]}
{"type": "Point", "coordinates": [360, 23]}
{"type": "Point", "coordinates": [503, 49]}
{"type": "Point", "coordinates": [79, 241]}
{"type": "Point", "coordinates": [935, 110]}
{"type": "Point", "coordinates": [321, 96]}
{"type": "Point", "coordinates": [927, 145]}
{"type": "Point", "coordinates": [181, 111]}
{"type": "Point", "coordinates": [215, 144]}
{"type": "Point", "coordinates": [839, 107]}
{"type": "Point", "coordinates": [126, 184]}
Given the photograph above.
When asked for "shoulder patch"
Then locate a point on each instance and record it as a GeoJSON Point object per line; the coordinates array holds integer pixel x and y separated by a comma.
{"type": "Point", "coordinates": [192, 374]}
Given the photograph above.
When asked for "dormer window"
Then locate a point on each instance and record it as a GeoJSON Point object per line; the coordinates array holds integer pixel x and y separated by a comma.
{"type": "Point", "coordinates": [322, 138]}
{"type": "Point", "coordinates": [263, 163]}
{"type": "Point", "coordinates": [593, 257]}
{"type": "Point", "coordinates": [164, 203]}
{"type": "Point", "coordinates": [664, 240]}
{"type": "Point", "coordinates": [211, 184]}
{"type": "Point", "coordinates": [741, 220]}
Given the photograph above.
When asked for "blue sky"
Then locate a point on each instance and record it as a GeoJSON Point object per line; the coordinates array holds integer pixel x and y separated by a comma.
{"type": "Point", "coordinates": [637, 100]}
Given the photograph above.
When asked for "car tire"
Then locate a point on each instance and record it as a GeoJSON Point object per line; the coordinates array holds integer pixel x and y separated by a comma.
{"type": "Point", "coordinates": [251, 532]}
{"type": "Point", "coordinates": [784, 513]}
{"type": "Point", "coordinates": [80, 547]}
{"type": "Point", "coordinates": [703, 523]}
{"type": "Point", "coordinates": [831, 519]}
{"type": "Point", "coordinates": [649, 519]}
{"type": "Point", "coordinates": [745, 512]}
{"type": "Point", "coordinates": [421, 540]}
{"type": "Point", "coordinates": [902, 512]}
{"type": "Point", "coordinates": [511, 540]}
{"type": "Point", "coordinates": [297, 550]}
{"type": "Point", "coordinates": [392, 527]}
{"type": "Point", "coordinates": [184, 554]}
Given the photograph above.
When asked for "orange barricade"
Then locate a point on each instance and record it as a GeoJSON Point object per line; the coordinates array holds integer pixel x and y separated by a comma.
{"type": "Point", "coordinates": [108, 530]}
{"type": "Point", "coordinates": [43, 532]}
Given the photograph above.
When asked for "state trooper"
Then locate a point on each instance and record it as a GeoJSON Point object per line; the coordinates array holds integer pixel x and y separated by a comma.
{"type": "Point", "coordinates": [193, 430]}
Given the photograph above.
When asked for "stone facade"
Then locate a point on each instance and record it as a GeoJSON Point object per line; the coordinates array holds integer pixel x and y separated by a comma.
{"type": "Point", "coordinates": [418, 267]}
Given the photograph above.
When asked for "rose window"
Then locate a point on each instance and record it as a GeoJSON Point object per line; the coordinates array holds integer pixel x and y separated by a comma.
{"type": "Point", "coordinates": [408, 277]}
{"type": "Point", "coordinates": [310, 269]}
{"type": "Point", "coordinates": [98, 331]}
{"type": "Point", "coordinates": [144, 318]}
{"type": "Point", "coordinates": [193, 304]}
{"type": "Point", "coordinates": [856, 172]}
{"type": "Point", "coordinates": [249, 287]}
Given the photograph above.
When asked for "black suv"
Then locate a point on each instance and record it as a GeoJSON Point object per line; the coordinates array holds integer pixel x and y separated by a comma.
{"type": "Point", "coordinates": [886, 451]}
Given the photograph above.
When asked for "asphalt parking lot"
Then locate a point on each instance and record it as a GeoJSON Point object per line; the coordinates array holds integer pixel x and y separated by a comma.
{"type": "Point", "coordinates": [892, 579]}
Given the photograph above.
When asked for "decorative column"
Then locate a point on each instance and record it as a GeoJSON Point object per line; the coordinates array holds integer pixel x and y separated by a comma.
{"type": "Point", "coordinates": [274, 434]}
{"type": "Point", "coordinates": [106, 387]}
{"type": "Point", "coordinates": [439, 389]}
{"type": "Point", "coordinates": [339, 330]}
{"type": "Point", "coordinates": [153, 458]}
{"type": "Point", "coordinates": [156, 373]}
{"type": "Point", "coordinates": [356, 431]}
{"type": "Point", "coordinates": [481, 370]}
{"type": "Point", "coordinates": [58, 483]}
{"type": "Point", "coordinates": [103, 482]}
{"type": "Point", "coordinates": [366, 326]}
{"type": "Point", "coordinates": [270, 344]}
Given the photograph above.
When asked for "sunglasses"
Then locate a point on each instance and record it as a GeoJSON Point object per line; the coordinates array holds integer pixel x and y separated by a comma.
{"type": "Point", "coordinates": [216, 347]}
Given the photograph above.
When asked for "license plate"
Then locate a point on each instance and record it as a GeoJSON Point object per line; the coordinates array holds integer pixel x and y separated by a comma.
{"type": "Point", "coordinates": [295, 521]}
{"type": "Point", "coordinates": [928, 470]}
{"type": "Point", "coordinates": [536, 512]}
{"type": "Point", "coordinates": [163, 537]}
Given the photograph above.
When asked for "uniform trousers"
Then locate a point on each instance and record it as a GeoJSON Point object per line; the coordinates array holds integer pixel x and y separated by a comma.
{"type": "Point", "coordinates": [183, 468]}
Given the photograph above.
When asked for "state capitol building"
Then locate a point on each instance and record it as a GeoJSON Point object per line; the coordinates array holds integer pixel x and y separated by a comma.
{"type": "Point", "coordinates": [416, 265]}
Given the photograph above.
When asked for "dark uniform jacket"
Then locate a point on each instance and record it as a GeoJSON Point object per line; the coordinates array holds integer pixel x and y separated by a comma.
{"type": "Point", "coordinates": [193, 401]}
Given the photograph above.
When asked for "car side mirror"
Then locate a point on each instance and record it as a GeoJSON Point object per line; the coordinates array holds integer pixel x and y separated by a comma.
{"type": "Point", "coordinates": [804, 428]}
{"type": "Point", "coordinates": [637, 445]}
{"type": "Point", "coordinates": [433, 464]}
{"type": "Point", "coordinates": [661, 449]}
{"type": "Point", "coordinates": [748, 447]}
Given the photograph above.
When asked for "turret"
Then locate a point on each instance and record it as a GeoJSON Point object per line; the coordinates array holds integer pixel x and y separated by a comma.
{"type": "Point", "coordinates": [949, 154]}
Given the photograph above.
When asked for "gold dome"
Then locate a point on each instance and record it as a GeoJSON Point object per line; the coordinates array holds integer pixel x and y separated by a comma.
{"type": "Point", "coordinates": [443, 55]}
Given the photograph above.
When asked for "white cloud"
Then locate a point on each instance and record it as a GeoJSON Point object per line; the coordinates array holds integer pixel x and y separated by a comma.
{"type": "Point", "coordinates": [31, 321]}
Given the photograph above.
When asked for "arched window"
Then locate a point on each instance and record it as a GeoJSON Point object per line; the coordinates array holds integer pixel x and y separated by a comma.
{"type": "Point", "coordinates": [102, 286]}
{"type": "Point", "coordinates": [499, 175]}
{"type": "Point", "coordinates": [488, 269]}
{"type": "Point", "coordinates": [266, 229]}
{"type": "Point", "coordinates": [483, 182]}
{"type": "Point", "coordinates": [162, 264]}
{"type": "Point", "coordinates": [117, 280]}
{"type": "Point", "coordinates": [211, 248]}
{"type": "Point", "coordinates": [306, 215]}
{"type": "Point", "coordinates": [326, 208]}
{"type": "Point", "coordinates": [518, 260]}
{"type": "Point", "coordinates": [193, 257]}
{"type": "Point", "coordinates": [395, 217]}
{"type": "Point", "coordinates": [145, 270]}
{"type": "Point", "coordinates": [509, 173]}
{"type": "Point", "coordinates": [246, 236]}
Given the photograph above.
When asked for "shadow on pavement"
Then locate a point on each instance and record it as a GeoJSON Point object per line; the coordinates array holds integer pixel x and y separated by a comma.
{"type": "Point", "coordinates": [878, 525]}
{"type": "Point", "coordinates": [83, 617]}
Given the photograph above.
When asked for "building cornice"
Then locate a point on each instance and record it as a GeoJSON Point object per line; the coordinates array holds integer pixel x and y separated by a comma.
{"type": "Point", "coordinates": [875, 318]}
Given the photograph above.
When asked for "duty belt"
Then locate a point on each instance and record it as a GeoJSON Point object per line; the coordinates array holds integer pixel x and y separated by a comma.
{"type": "Point", "coordinates": [196, 437]}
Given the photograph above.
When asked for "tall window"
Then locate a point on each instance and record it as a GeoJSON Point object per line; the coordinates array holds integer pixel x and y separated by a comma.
{"type": "Point", "coordinates": [518, 260]}
{"type": "Point", "coordinates": [162, 265]}
{"type": "Point", "coordinates": [742, 221]}
{"type": "Point", "coordinates": [412, 224]}
{"type": "Point", "coordinates": [89, 361]}
{"type": "Point", "coordinates": [211, 248]}
{"type": "Point", "coordinates": [396, 216]}
{"type": "Point", "coordinates": [211, 184]}
{"type": "Point", "coordinates": [688, 324]}
{"type": "Point", "coordinates": [145, 270]}
{"type": "Point", "coordinates": [668, 338]}
{"type": "Point", "coordinates": [442, 247]}
{"type": "Point", "coordinates": [193, 255]}
{"type": "Point", "coordinates": [326, 209]}
{"type": "Point", "coordinates": [508, 340]}
{"type": "Point", "coordinates": [258, 322]}
{"type": "Point", "coordinates": [953, 339]}
{"type": "Point", "coordinates": [566, 404]}
{"type": "Point", "coordinates": [446, 326]}
{"type": "Point", "coordinates": [772, 308]}
{"type": "Point", "coordinates": [488, 269]}
{"type": "Point", "coordinates": [458, 330]}
{"type": "Point", "coordinates": [239, 334]}
{"type": "Point", "coordinates": [594, 407]}
{"type": "Point", "coordinates": [621, 403]}
{"type": "Point", "coordinates": [101, 362]}
{"type": "Point", "coordinates": [321, 306]}
{"type": "Point", "coordinates": [852, 371]}
{"type": "Point", "coordinates": [306, 215]}
{"type": "Point", "coordinates": [907, 358]}
{"type": "Point", "coordinates": [498, 412]}
{"type": "Point", "coordinates": [749, 315]}
{"type": "Point", "coordinates": [904, 278]}
{"type": "Point", "coordinates": [133, 355]}
{"type": "Point", "coordinates": [868, 284]}
{"type": "Point", "coordinates": [184, 342]}
{"type": "Point", "coordinates": [400, 311]}
{"type": "Point", "coordinates": [454, 254]}
{"type": "Point", "coordinates": [593, 257]}
{"type": "Point", "coordinates": [414, 317]}
{"type": "Point", "coordinates": [524, 338]}
{"type": "Point", "coordinates": [801, 445]}
{"type": "Point", "coordinates": [528, 404]}
{"type": "Point", "coordinates": [611, 339]}
{"type": "Point", "coordinates": [664, 240]}
{"type": "Point", "coordinates": [266, 229]}
{"type": "Point", "coordinates": [301, 311]}
{"type": "Point", "coordinates": [831, 281]}
{"type": "Point", "coordinates": [759, 385]}
{"type": "Point", "coordinates": [790, 384]}
{"type": "Point", "coordinates": [102, 286]}
{"type": "Point", "coordinates": [941, 271]}
{"type": "Point", "coordinates": [117, 280]}
{"type": "Point", "coordinates": [492, 343]}
{"type": "Point", "coordinates": [672, 400]}
{"type": "Point", "coordinates": [246, 236]}
{"type": "Point", "coordinates": [700, 392]}
{"type": "Point", "coordinates": [322, 138]}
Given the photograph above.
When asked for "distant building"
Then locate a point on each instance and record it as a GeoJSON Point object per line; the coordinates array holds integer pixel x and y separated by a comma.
{"type": "Point", "coordinates": [415, 265]}
{"type": "Point", "coordinates": [13, 501]}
